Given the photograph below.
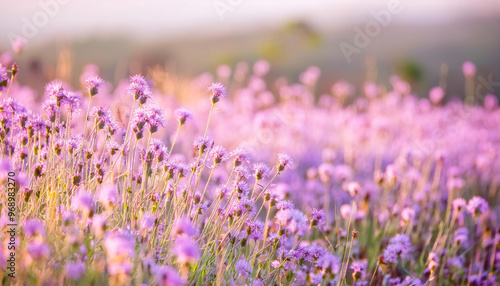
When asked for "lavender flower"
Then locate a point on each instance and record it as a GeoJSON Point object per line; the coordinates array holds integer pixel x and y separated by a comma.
{"type": "Point", "coordinates": [92, 85]}
{"type": "Point", "coordinates": [75, 270]}
{"type": "Point", "coordinates": [83, 202]}
{"type": "Point", "coordinates": [243, 268]}
{"type": "Point", "coordinates": [318, 217]}
{"type": "Point", "coordinates": [139, 89]}
{"type": "Point", "coordinates": [399, 246]}
{"type": "Point", "coordinates": [4, 79]}
{"type": "Point", "coordinates": [167, 276]}
{"type": "Point", "coordinates": [261, 171]}
{"type": "Point", "coordinates": [183, 115]}
{"type": "Point", "coordinates": [108, 196]}
{"type": "Point", "coordinates": [218, 91]}
{"type": "Point", "coordinates": [183, 226]}
{"type": "Point", "coordinates": [477, 206]}
{"type": "Point", "coordinates": [219, 154]}
{"type": "Point", "coordinates": [186, 250]}
{"type": "Point", "coordinates": [284, 160]}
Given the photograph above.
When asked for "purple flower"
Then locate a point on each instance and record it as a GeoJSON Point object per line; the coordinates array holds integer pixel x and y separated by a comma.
{"type": "Point", "coordinates": [34, 227]}
{"type": "Point", "coordinates": [218, 91]}
{"type": "Point", "coordinates": [147, 222]}
{"type": "Point", "coordinates": [75, 270]}
{"type": "Point", "coordinates": [82, 202]}
{"type": "Point", "coordinates": [284, 160]}
{"type": "Point", "coordinates": [104, 120]}
{"type": "Point", "coordinates": [120, 250]}
{"type": "Point", "coordinates": [330, 263]}
{"type": "Point", "coordinates": [154, 118]}
{"type": "Point", "coordinates": [318, 217]}
{"type": "Point", "coordinates": [458, 205]}
{"type": "Point", "coordinates": [469, 69]}
{"type": "Point", "coordinates": [240, 156]}
{"type": "Point", "coordinates": [183, 115]}
{"type": "Point", "coordinates": [461, 236]}
{"type": "Point", "coordinates": [92, 84]}
{"type": "Point", "coordinates": [219, 154]}
{"type": "Point", "coordinates": [358, 269]}
{"type": "Point", "coordinates": [255, 229]}
{"type": "Point", "coordinates": [186, 250]}
{"type": "Point", "coordinates": [139, 88]}
{"type": "Point", "coordinates": [183, 226]}
{"type": "Point", "coordinates": [261, 171]}
{"type": "Point", "coordinates": [167, 276]}
{"type": "Point", "coordinates": [285, 205]}
{"type": "Point", "coordinates": [201, 144]}
{"type": "Point", "coordinates": [222, 191]}
{"type": "Point", "coordinates": [477, 206]}
{"type": "Point", "coordinates": [38, 249]}
{"type": "Point", "coordinates": [399, 246]}
{"type": "Point", "coordinates": [108, 195]}
{"type": "Point", "coordinates": [4, 79]}
{"type": "Point", "coordinates": [243, 268]}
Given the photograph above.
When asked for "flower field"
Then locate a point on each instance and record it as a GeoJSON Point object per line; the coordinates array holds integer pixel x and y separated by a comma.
{"type": "Point", "coordinates": [254, 182]}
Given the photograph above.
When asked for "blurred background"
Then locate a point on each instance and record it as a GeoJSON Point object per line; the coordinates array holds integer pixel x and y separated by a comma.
{"type": "Point", "coordinates": [179, 39]}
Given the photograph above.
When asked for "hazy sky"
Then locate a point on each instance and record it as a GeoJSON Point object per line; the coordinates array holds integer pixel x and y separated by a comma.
{"type": "Point", "coordinates": [42, 20]}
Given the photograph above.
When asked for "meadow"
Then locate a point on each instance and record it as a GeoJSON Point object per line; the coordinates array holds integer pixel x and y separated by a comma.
{"type": "Point", "coordinates": [252, 183]}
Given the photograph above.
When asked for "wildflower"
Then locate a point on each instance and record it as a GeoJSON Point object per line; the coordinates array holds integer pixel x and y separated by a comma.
{"type": "Point", "coordinates": [222, 191]}
{"type": "Point", "coordinates": [285, 205]}
{"type": "Point", "coordinates": [38, 250]}
{"type": "Point", "coordinates": [284, 160]}
{"type": "Point", "coordinates": [261, 171]}
{"type": "Point", "coordinates": [154, 118]}
{"type": "Point", "coordinates": [4, 79]}
{"type": "Point", "coordinates": [183, 226]}
{"type": "Point", "coordinates": [370, 89]}
{"type": "Point", "coordinates": [469, 69]}
{"type": "Point", "coordinates": [318, 217]}
{"type": "Point", "coordinates": [399, 246]}
{"type": "Point", "coordinates": [255, 229]}
{"type": "Point", "coordinates": [330, 263]}
{"type": "Point", "coordinates": [93, 84]}
{"type": "Point", "coordinates": [476, 206]}
{"type": "Point", "coordinates": [261, 68]}
{"type": "Point", "coordinates": [407, 215]}
{"type": "Point", "coordinates": [358, 269]}
{"type": "Point", "coordinates": [147, 222]}
{"type": "Point", "coordinates": [186, 250]}
{"type": "Point", "coordinates": [243, 268]}
{"type": "Point", "coordinates": [218, 91]}
{"type": "Point", "coordinates": [99, 224]}
{"type": "Point", "coordinates": [436, 94]}
{"type": "Point", "coordinates": [120, 250]}
{"type": "Point", "coordinates": [108, 196]}
{"type": "Point", "coordinates": [139, 89]}
{"type": "Point", "coordinates": [183, 115]}
{"type": "Point", "coordinates": [461, 236]}
{"type": "Point", "coordinates": [354, 188]}
{"type": "Point", "coordinates": [240, 156]}
{"type": "Point", "coordinates": [219, 154]}
{"type": "Point", "coordinates": [82, 202]}
{"type": "Point", "coordinates": [75, 270]}
{"type": "Point", "coordinates": [201, 144]}
{"type": "Point", "coordinates": [34, 228]}
{"type": "Point", "coordinates": [167, 276]}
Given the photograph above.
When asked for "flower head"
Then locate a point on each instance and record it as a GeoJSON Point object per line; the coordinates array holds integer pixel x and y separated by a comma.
{"type": "Point", "coordinates": [261, 171]}
{"type": "Point", "coordinates": [139, 88]}
{"type": "Point", "coordinates": [186, 250]}
{"type": "Point", "coordinates": [284, 160]}
{"type": "Point", "coordinates": [218, 91]}
{"type": "Point", "coordinates": [75, 270]}
{"type": "Point", "coordinates": [399, 246]}
{"type": "Point", "coordinates": [183, 114]}
{"type": "Point", "coordinates": [318, 217]}
{"type": "Point", "coordinates": [476, 206]}
{"type": "Point", "coordinates": [92, 85]}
